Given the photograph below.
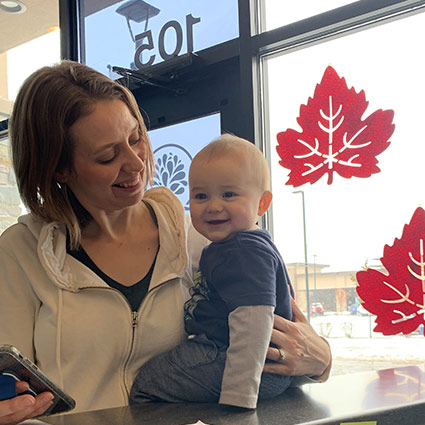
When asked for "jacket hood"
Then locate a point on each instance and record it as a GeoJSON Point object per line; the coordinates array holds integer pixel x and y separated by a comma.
{"type": "Point", "coordinates": [63, 270]}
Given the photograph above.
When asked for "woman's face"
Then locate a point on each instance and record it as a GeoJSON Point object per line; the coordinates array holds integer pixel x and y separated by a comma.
{"type": "Point", "coordinates": [108, 158]}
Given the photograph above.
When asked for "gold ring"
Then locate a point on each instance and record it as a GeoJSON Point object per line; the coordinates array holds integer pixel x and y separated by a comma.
{"type": "Point", "coordinates": [282, 355]}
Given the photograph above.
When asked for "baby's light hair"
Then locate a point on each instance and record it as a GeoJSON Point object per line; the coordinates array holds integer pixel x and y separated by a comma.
{"type": "Point", "coordinates": [246, 153]}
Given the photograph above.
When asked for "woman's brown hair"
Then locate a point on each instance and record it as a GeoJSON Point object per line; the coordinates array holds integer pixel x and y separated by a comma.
{"type": "Point", "coordinates": [49, 102]}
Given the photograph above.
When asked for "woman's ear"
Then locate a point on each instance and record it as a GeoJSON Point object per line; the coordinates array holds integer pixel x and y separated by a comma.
{"type": "Point", "coordinates": [62, 176]}
{"type": "Point", "coordinates": [264, 203]}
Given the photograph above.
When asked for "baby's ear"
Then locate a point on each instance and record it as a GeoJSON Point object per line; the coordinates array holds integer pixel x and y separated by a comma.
{"type": "Point", "coordinates": [264, 203]}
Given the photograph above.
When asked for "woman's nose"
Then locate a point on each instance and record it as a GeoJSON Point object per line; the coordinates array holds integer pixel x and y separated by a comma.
{"type": "Point", "coordinates": [133, 162]}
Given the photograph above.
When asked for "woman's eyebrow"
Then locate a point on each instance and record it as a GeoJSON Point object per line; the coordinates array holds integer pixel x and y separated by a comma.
{"type": "Point", "coordinates": [111, 144]}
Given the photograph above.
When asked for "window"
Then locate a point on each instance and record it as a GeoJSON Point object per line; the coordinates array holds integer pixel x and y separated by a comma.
{"type": "Point", "coordinates": [136, 34]}
{"type": "Point", "coordinates": [175, 146]}
{"type": "Point", "coordinates": [257, 83]}
{"type": "Point", "coordinates": [349, 221]}
{"type": "Point", "coordinates": [278, 13]}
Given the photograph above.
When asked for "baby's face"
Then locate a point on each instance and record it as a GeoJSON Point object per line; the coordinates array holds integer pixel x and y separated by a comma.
{"type": "Point", "coordinates": [224, 198]}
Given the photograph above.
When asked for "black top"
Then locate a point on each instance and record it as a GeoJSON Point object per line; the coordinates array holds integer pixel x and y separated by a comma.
{"type": "Point", "coordinates": [134, 293]}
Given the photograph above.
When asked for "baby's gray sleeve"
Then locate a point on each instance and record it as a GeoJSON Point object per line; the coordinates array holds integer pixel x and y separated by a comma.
{"type": "Point", "coordinates": [250, 329]}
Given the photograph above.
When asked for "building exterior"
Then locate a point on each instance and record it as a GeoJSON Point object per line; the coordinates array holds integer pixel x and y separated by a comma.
{"type": "Point", "coordinates": [335, 290]}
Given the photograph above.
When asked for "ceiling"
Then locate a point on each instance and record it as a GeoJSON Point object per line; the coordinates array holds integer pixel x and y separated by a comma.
{"type": "Point", "coordinates": [16, 29]}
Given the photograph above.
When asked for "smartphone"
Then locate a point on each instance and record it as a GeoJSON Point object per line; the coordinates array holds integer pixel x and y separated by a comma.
{"type": "Point", "coordinates": [13, 363]}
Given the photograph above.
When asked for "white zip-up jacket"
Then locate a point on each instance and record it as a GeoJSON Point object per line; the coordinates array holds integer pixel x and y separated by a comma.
{"type": "Point", "coordinates": [77, 329]}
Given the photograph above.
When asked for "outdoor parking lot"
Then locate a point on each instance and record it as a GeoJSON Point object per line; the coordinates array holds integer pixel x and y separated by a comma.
{"type": "Point", "coordinates": [356, 348]}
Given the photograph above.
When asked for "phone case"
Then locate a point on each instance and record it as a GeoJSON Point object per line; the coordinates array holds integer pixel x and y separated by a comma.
{"type": "Point", "coordinates": [13, 363]}
{"type": "Point", "coordinates": [7, 387]}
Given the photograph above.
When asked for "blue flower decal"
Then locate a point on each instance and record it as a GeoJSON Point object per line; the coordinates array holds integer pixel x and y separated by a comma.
{"type": "Point", "coordinates": [172, 171]}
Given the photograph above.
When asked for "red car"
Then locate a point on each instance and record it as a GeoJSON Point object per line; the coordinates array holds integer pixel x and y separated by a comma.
{"type": "Point", "coordinates": [317, 308]}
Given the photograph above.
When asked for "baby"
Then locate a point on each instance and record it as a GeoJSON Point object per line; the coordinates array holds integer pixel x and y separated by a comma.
{"type": "Point", "coordinates": [242, 282]}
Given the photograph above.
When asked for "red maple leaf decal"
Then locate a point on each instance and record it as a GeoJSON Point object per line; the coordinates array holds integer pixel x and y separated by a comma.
{"type": "Point", "coordinates": [334, 137]}
{"type": "Point", "coordinates": [398, 299]}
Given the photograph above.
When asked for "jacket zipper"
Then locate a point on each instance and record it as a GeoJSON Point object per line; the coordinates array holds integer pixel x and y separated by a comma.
{"type": "Point", "coordinates": [134, 324]}
{"type": "Point", "coordinates": [135, 315]}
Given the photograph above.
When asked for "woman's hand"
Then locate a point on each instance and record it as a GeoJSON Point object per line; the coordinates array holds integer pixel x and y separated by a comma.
{"type": "Point", "coordinates": [304, 351]}
{"type": "Point", "coordinates": [23, 407]}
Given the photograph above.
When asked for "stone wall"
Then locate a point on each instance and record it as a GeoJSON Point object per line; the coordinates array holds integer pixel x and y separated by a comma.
{"type": "Point", "coordinates": [10, 203]}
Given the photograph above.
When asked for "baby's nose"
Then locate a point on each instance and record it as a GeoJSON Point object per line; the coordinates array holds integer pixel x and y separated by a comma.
{"type": "Point", "coordinates": [214, 205]}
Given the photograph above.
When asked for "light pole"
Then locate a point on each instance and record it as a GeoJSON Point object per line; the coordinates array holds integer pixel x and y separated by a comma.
{"type": "Point", "coordinates": [314, 274]}
{"type": "Point", "coordinates": [305, 257]}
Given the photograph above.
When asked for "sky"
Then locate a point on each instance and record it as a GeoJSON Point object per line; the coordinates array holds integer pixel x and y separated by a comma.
{"type": "Point", "coordinates": [278, 13]}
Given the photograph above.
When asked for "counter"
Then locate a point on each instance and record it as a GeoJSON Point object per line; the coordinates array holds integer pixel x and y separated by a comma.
{"type": "Point", "coordinates": [388, 397]}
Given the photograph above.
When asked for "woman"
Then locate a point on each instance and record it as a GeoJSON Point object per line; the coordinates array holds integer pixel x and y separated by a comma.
{"type": "Point", "coordinates": [94, 274]}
